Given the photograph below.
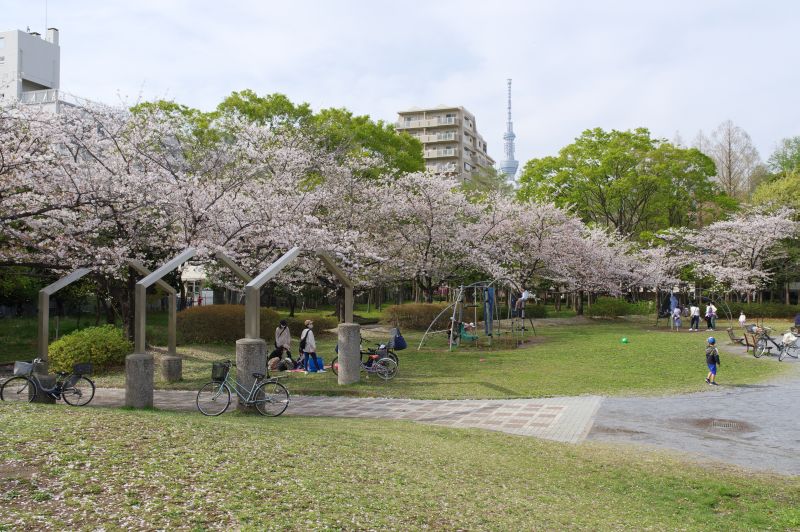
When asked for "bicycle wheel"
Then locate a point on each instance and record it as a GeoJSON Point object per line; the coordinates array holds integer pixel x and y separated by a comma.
{"type": "Point", "coordinates": [213, 399]}
{"type": "Point", "coordinates": [271, 399]}
{"type": "Point", "coordinates": [386, 368]}
{"type": "Point", "coordinates": [78, 391]}
{"type": "Point", "coordinates": [390, 354]}
{"type": "Point", "coordinates": [760, 348]}
{"type": "Point", "coordinates": [335, 366]}
{"type": "Point", "coordinates": [18, 390]}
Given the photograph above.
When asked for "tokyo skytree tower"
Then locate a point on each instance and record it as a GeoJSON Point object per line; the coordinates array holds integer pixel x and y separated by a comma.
{"type": "Point", "coordinates": [509, 165]}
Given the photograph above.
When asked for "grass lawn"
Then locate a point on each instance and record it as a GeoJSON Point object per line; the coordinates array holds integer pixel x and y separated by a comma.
{"type": "Point", "coordinates": [562, 360]}
{"type": "Point", "coordinates": [99, 468]}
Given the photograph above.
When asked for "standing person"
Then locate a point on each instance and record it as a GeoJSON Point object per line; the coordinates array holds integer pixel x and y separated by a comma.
{"type": "Point", "coordinates": [694, 312]}
{"type": "Point", "coordinates": [713, 315]}
{"type": "Point", "coordinates": [308, 345]}
{"type": "Point", "coordinates": [742, 319]}
{"type": "Point", "coordinates": [712, 361]}
{"type": "Point", "coordinates": [709, 313]}
{"type": "Point", "coordinates": [676, 318]}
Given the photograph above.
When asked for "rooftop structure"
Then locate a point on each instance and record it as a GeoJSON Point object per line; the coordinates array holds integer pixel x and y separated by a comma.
{"type": "Point", "coordinates": [450, 139]}
{"type": "Point", "coordinates": [509, 165]}
{"type": "Point", "coordinates": [28, 63]}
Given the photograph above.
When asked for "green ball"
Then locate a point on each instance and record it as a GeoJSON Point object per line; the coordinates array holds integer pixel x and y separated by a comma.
{"type": "Point", "coordinates": [624, 340]}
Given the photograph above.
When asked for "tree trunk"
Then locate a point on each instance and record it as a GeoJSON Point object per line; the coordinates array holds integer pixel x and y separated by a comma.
{"type": "Point", "coordinates": [786, 292]}
{"type": "Point", "coordinates": [579, 303]}
{"type": "Point", "coordinates": [292, 305]}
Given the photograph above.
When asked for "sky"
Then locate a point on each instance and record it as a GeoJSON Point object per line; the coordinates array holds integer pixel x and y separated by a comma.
{"type": "Point", "coordinates": [675, 67]}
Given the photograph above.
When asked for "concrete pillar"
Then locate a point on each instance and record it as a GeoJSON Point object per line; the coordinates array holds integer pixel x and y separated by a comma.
{"type": "Point", "coordinates": [349, 353]}
{"type": "Point", "coordinates": [46, 381]}
{"type": "Point", "coordinates": [171, 368]}
{"type": "Point", "coordinates": [139, 380]}
{"type": "Point", "coordinates": [251, 357]}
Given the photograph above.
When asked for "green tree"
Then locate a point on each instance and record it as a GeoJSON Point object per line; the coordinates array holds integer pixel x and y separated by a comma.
{"type": "Point", "coordinates": [786, 157]}
{"type": "Point", "coordinates": [337, 129]}
{"type": "Point", "coordinates": [627, 181]}
{"type": "Point", "coordinates": [782, 192]}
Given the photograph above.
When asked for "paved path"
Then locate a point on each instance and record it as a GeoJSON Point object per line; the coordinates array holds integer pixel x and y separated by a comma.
{"type": "Point", "coordinates": [755, 426]}
{"type": "Point", "coordinates": [565, 419]}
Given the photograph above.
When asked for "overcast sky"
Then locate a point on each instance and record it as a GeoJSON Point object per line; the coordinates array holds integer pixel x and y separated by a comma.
{"type": "Point", "coordinates": [677, 66]}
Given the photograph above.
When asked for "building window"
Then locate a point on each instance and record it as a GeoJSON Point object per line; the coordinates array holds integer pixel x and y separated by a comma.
{"type": "Point", "coordinates": [468, 167]}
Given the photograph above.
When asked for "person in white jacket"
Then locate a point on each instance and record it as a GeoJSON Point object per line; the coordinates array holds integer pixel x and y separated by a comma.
{"type": "Point", "coordinates": [308, 345]}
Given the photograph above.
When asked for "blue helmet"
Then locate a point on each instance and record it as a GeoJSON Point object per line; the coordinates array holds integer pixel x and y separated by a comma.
{"type": "Point", "coordinates": [712, 340]}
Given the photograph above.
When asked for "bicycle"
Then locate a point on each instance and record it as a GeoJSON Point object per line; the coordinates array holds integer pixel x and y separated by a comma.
{"type": "Point", "coordinates": [270, 397]}
{"type": "Point", "coordinates": [787, 346]}
{"type": "Point", "coordinates": [74, 388]}
{"type": "Point", "coordinates": [383, 367]}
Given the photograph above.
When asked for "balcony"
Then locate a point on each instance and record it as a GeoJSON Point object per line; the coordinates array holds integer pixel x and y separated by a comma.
{"type": "Point", "coordinates": [428, 122]}
{"type": "Point", "coordinates": [47, 96]}
{"type": "Point", "coordinates": [444, 152]}
{"type": "Point", "coordinates": [439, 137]}
{"type": "Point", "coordinates": [445, 168]}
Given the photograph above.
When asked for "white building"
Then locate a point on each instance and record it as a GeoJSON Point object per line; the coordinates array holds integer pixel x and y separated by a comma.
{"type": "Point", "coordinates": [30, 65]}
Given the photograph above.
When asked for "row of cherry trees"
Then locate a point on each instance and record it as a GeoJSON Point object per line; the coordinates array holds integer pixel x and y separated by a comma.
{"type": "Point", "coordinates": [98, 186]}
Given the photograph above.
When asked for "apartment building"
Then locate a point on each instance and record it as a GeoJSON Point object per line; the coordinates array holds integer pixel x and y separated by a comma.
{"type": "Point", "coordinates": [30, 65]}
{"type": "Point", "coordinates": [450, 139]}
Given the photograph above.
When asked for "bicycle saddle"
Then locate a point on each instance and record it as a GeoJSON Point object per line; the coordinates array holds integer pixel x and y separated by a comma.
{"type": "Point", "coordinates": [258, 375]}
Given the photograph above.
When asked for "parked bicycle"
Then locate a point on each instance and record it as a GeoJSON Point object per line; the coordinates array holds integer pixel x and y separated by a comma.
{"type": "Point", "coordinates": [383, 366]}
{"type": "Point", "coordinates": [270, 397]}
{"type": "Point", "coordinates": [786, 346]}
{"type": "Point", "coordinates": [74, 388]}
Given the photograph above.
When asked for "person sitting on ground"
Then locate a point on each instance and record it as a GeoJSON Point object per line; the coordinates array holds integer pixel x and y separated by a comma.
{"type": "Point", "coordinates": [308, 345]}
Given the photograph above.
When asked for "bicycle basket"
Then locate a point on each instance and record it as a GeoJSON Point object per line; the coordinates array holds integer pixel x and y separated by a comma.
{"type": "Point", "coordinates": [22, 368]}
{"type": "Point", "coordinates": [84, 368]}
{"type": "Point", "coordinates": [219, 371]}
{"type": "Point", "coordinates": [382, 351]}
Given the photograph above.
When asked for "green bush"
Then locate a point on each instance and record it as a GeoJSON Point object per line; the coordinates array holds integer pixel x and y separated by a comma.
{"type": "Point", "coordinates": [418, 315]}
{"type": "Point", "coordinates": [225, 323]}
{"type": "Point", "coordinates": [221, 324]}
{"type": "Point", "coordinates": [610, 307]}
{"type": "Point", "coordinates": [764, 310]}
{"type": "Point", "coordinates": [104, 347]}
{"type": "Point", "coordinates": [534, 311]}
{"type": "Point", "coordinates": [296, 325]}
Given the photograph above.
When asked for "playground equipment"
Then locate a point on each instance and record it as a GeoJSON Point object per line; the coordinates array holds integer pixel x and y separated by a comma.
{"type": "Point", "coordinates": [484, 295]}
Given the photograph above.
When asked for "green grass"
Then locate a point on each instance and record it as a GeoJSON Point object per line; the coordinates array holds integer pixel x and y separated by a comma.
{"type": "Point", "coordinates": [91, 468]}
{"type": "Point", "coordinates": [563, 360]}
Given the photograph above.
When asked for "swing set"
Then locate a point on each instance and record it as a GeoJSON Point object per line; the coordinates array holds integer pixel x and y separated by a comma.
{"type": "Point", "coordinates": [483, 296]}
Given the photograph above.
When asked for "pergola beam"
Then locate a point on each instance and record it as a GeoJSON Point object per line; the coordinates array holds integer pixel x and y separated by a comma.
{"type": "Point", "coordinates": [44, 308]}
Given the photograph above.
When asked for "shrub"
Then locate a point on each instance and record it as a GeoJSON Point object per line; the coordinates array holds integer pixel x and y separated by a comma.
{"type": "Point", "coordinates": [225, 323]}
{"type": "Point", "coordinates": [534, 311]}
{"type": "Point", "coordinates": [610, 307]}
{"type": "Point", "coordinates": [221, 324]}
{"type": "Point", "coordinates": [104, 347]}
{"type": "Point", "coordinates": [764, 310]}
{"type": "Point", "coordinates": [417, 315]}
{"type": "Point", "coordinates": [296, 325]}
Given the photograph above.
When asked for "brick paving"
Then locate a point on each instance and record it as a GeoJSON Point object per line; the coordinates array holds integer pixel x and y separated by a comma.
{"type": "Point", "coordinates": [565, 419]}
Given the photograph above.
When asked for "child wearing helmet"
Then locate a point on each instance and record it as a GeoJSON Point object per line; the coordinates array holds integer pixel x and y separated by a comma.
{"type": "Point", "coordinates": [712, 360]}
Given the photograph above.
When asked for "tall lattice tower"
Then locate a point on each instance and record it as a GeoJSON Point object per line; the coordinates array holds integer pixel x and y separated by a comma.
{"type": "Point", "coordinates": [509, 165]}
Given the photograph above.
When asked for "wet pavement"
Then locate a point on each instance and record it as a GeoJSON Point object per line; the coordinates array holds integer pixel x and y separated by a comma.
{"type": "Point", "coordinates": [755, 425]}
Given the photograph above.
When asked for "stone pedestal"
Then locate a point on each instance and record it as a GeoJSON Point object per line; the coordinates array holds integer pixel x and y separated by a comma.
{"type": "Point", "coordinates": [349, 353]}
{"type": "Point", "coordinates": [139, 380]}
{"type": "Point", "coordinates": [171, 368]}
{"type": "Point", "coordinates": [251, 357]}
{"type": "Point", "coordinates": [46, 381]}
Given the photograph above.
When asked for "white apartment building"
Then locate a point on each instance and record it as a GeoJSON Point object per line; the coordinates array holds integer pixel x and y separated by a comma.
{"type": "Point", "coordinates": [450, 139]}
{"type": "Point", "coordinates": [30, 65]}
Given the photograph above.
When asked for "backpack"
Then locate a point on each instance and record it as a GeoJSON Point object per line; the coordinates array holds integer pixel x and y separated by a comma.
{"type": "Point", "coordinates": [303, 339]}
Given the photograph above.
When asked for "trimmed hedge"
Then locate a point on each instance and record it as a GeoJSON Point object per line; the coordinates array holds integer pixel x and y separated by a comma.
{"type": "Point", "coordinates": [764, 310]}
{"type": "Point", "coordinates": [417, 315]}
{"type": "Point", "coordinates": [610, 307]}
{"type": "Point", "coordinates": [225, 323]}
{"type": "Point", "coordinates": [104, 347]}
